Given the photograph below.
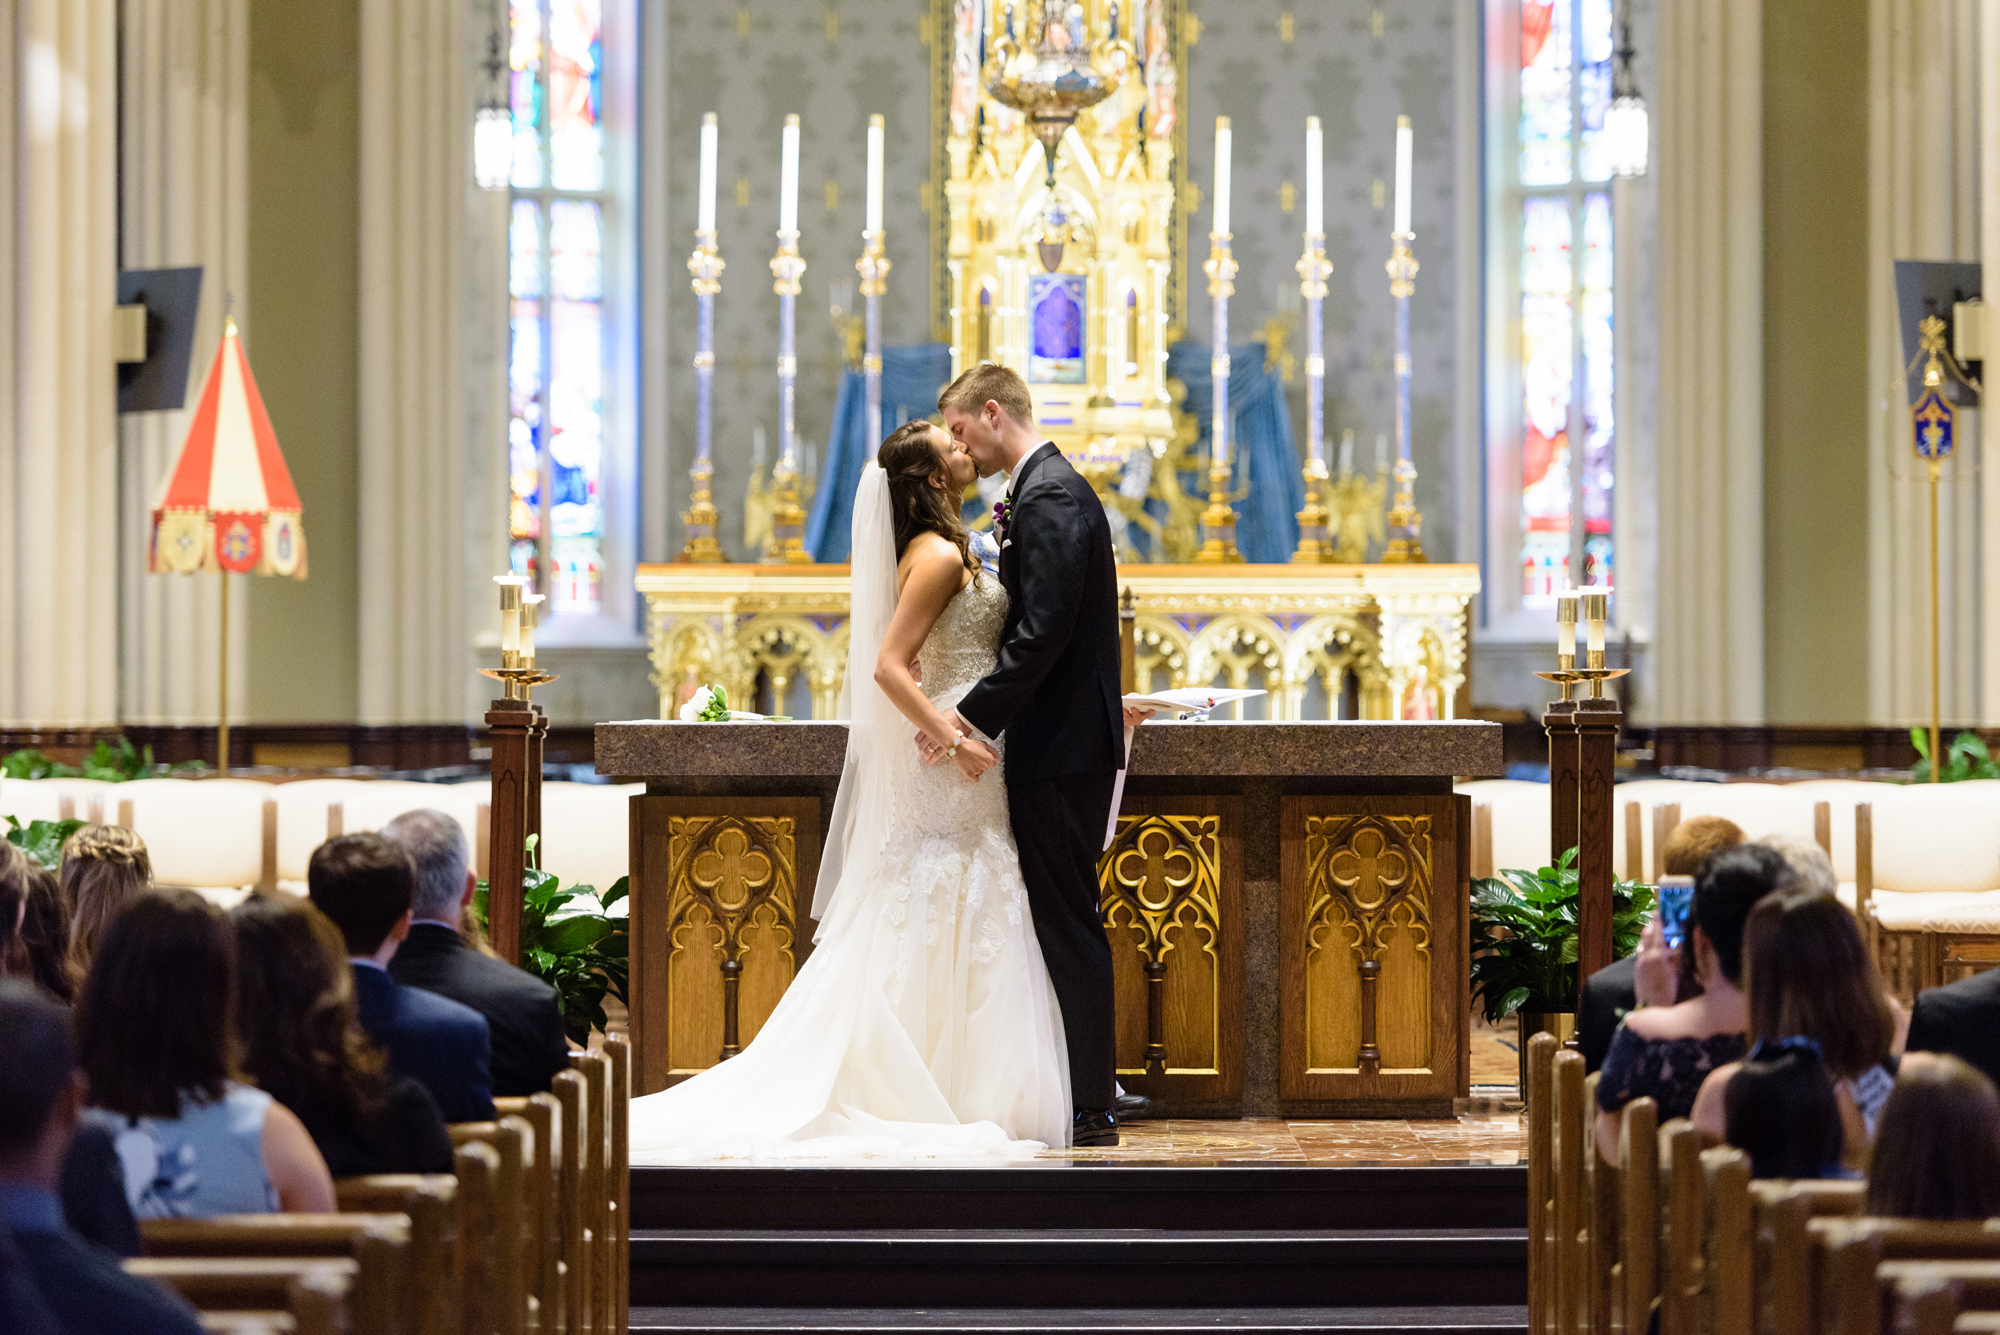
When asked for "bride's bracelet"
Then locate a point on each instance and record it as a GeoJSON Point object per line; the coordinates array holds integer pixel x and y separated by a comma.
{"type": "Point", "coordinates": [951, 752]}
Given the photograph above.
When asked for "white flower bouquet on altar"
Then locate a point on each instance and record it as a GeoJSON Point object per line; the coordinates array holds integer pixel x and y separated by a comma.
{"type": "Point", "coordinates": [710, 704]}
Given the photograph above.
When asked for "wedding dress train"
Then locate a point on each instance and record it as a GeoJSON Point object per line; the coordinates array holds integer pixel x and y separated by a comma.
{"type": "Point", "coordinates": [923, 1025]}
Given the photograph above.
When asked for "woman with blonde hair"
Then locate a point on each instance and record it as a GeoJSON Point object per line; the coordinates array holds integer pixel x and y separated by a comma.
{"type": "Point", "coordinates": [34, 925]}
{"type": "Point", "coordinates": [104, 867]}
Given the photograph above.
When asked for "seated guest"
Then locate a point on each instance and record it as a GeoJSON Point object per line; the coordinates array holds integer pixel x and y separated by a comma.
{"type": "Point", "coordinates": [1811, 868]}
{"type": "Point", "coordinates": [521, 1011]}
{"type": "Point", "coordinates": [41, 1091]}
{"type": "Point", "coordinates": [1963, 1019]}
{"type": "Point", "coordinates": [1937, 1150]}
{"type": "Point", "coordinates": [1780, 1110]}
{"type": "Point", "coordinates": [34, 926]}
{"type": "Point", "coordinates": [303, 1045]}
{"type": "Point", "coordinates": [1809, 977]}
{"type": "Point", "coordinates": [156, 1037]}
{"type": "Point", "coordinates": [1665, 1052]}
{"type": "Point", "coordinates": [363, 882]}
{"type": "Point", "coordinates": [1652, 975]}
{"type": "Point", "coordinates": [104, 867]}
{"type": "Point", "coordinates": [93, 1192]}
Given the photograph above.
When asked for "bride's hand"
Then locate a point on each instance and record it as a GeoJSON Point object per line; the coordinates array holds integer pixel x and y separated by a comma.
{"type": "Point", "coordinates": [974, 758]}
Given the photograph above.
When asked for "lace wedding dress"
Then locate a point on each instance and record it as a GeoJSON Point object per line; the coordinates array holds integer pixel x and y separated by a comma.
{"type": "Point", "coordinates": [923, 1025]}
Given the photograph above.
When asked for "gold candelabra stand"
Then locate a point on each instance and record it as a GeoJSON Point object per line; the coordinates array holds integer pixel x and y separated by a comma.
{"type": "Point", "coordinates": [1315, 541]}
{"type": "Point", "coordinates": [1405, 522]}
{"type": "Point", "coordinates": [1218, 521]}
{"type": "Point", "coordinates": [788, 518]}
{"type": "Point", "coordinates": [700, 520]}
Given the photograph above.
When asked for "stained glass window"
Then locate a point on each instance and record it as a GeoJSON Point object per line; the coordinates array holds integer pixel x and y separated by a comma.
{"type": "Point", "coordinates": [1567, 430]}
{"type": "Point", "coordinates": [556, 364]}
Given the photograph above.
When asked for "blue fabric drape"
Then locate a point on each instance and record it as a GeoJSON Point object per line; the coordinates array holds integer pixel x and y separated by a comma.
{"type": "Point", "coordinates": [1265, 460]}
{"type": "Point", "coordinates": [912, 379]}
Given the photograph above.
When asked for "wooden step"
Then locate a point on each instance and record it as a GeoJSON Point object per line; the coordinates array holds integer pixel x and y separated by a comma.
{"type": "Point", "coordinates": [1080, 1267]}
{"type": "Point", "coordinates": [1489, 1320]}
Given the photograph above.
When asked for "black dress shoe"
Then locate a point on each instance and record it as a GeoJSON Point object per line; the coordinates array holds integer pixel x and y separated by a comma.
{"type": "Point", "coordinates": [1094, 1128]}
{"type": "Point", "coordinates": [1133, 1107]}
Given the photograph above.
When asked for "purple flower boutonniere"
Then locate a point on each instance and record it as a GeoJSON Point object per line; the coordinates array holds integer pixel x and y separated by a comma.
{"type": "Point", "coordinates": [1003, 518]}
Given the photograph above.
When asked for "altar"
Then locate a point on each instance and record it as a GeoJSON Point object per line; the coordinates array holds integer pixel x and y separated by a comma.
{"type": "Point", "coordinates": [1286, 901]}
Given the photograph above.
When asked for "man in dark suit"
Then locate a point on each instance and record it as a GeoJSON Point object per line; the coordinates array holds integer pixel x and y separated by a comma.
{"type": "Point", "coordinates": [1054, 692]}
{"type": "Point", "coordinates": [363, 882]}
{"type": "Point", "coordinates": [521, 1012]}
{"type": "Point", "coordinates": [1962, 1018]}
{"type": "Point", "coordinates": [80, 1287]}
{"type": "Point", "coordinates": [1615, 989]}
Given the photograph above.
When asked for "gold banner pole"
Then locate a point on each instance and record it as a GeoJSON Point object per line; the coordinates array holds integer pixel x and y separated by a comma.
{"type": "Point", "coordinates": [1937, 756]}
{"type": "Point", "coordinates": [223, 730]}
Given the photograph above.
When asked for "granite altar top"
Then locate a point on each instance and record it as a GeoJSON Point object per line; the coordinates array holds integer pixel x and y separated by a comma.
{"type": "Point", "coordinates": [1368, 749]}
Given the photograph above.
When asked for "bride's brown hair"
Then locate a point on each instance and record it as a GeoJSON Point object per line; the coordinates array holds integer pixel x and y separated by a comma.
{"type": "Point", "coordinates": [910, 462]}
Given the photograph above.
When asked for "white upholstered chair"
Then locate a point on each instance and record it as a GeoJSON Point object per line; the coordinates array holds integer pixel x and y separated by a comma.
{"type": "Point", "coordinates": [586, 830]}
{"type": "Point", "coordinates": [215, 835]}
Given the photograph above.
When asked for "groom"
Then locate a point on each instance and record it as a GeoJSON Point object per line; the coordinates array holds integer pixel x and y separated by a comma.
{"type": "Point", "coordinates": [1054, 692]}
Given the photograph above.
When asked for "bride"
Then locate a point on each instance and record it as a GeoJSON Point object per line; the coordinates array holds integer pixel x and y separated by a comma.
{"type": "Point", "coordinates": [923, 1024]}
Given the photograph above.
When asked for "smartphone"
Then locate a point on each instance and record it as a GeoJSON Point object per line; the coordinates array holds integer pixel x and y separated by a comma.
{"type": "Point", "coordinates": [1676, 895]}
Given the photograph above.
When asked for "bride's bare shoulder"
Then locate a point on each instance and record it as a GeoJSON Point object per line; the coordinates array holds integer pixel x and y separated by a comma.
{"type": "Point", "coordinates": [932, 558]}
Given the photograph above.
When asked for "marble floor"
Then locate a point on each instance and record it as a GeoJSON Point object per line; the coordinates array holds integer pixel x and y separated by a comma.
{"type": "Point", "coordinates": [1470, 1138]}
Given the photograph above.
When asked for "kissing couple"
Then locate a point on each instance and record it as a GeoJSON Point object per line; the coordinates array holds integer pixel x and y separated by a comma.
{"type": "Point", "coordinates": [958, 1000]}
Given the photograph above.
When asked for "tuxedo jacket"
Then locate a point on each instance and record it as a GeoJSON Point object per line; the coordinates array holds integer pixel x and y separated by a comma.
{"type": "Point", "coordinates": [520, 1009]}
{"type": "Point", "coordinates": [435, 1041]}
{"type": "Point", "coordinates": [1054, 690]}
{"type": "Point", "coordinates": [1962, 1018]}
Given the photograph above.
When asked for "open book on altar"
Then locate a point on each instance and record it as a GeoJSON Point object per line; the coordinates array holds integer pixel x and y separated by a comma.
{"type": "Point", "coordinates": [1190, 702]}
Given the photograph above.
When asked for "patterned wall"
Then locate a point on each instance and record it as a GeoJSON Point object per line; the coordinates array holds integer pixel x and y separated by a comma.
{"type": "Point", "coordinates": [1267, 64]}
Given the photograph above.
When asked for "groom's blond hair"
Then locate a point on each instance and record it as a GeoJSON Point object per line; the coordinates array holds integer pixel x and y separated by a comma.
{"type": "Point", "coordinates": [986, 382]}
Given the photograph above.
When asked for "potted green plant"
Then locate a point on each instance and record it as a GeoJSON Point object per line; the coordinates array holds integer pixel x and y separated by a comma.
{"type": "Point", "coordinates": [571, 941]}
{"type": "Point", "coordinates": [1524, 944]}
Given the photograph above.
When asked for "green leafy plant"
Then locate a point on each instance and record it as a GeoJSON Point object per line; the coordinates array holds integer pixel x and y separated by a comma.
{"type": "Point", "coordinates": [570, 942]}
{"type": "Point", "coordinates": [111, 762]}
{"type": "Point", "coordinates": [42, 840]}
{"type": "Point", "coordinates": [1524, 936]}
{"type": "Point", "coordinates": [1966, 757]}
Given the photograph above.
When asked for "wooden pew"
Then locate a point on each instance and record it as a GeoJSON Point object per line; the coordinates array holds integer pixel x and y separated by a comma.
{"type": "Point", "coordinates": [573, 1098]}
{"type": "Point", "coordinates": [503, 1249]}
{"type": "Point", "coordinates": [1638, 1277]}
{"type": "Point", "coordinates": [1728, 1290]}
{"type": "Point", "coordinates": [1781, 1259]}
{"type": "Point", "coordinates": [1540, 1099]}
{"type": "Point", "coordinates": [379, 1244]}
{"type": "Point", "coordinates": [430, 1202]}
{"type": "Point", "coordinates": [595, 1067]}
{"type": "Point", "coordinates": [1680, 1233]}
{"type": "Point", "coordinates": [544, 1236]}
{"type": "Point", "coordinates": [1601, 1188]}
{"type": "Point", "coordinates": [1854, 1258]}
{"type": "Point", "coordinates": [315, 1292]}
{"type": "Point", "coordinates": [620, 1053]}
{"type": "Point", "coordinates": [1572, 1146]}
{"type": "Point", "coordinates": [247, 1323]}
{"type": "Point", "coordinates": [1930, 1298]}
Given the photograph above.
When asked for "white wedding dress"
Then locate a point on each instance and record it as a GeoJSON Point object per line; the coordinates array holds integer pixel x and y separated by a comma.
{"type": "Point", "coordinates": [923, 1025]}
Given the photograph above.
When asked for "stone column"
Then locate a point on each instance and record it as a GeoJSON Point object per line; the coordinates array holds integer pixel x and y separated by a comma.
{"type": "Point", "coordinates": [1924, 180]}
{"type": "Point", "coordinates": [58, 436]}
{"type": "Point", "coordinates": [1710, 603]}
{"type": "Point", "coordinates": [417, 57]}
{"type": "Point", "coordinates": [184, 201]}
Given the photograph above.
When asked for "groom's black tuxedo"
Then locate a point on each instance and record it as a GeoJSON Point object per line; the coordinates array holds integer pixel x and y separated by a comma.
{"type": "Point", "coordinates": [1054, 692]}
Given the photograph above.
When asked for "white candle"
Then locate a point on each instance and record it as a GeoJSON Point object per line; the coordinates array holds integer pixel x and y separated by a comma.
{"type": "Point", "coordinates": [1403, 148]}
{"type": "Point", "coordinates": [531, 615]}
{"type": "Point", "coordinates": [1315, 213]}
{"type": "Point", "coordinates": [874, 222]}
{"type": "Point", "coordinates": [788, 178]}
{"type": "Point", "coordinates": [1347, 452]}
{"type": "Point", "coordinates": [1566, 622]}
{"type": "Point", "coordinates": [510, 612]}
{"type": "Point", "coordinates": [1222, 175]}
{"type": "Point", "coordinates": [705, 209]}
{"type": "Point", "coordinates": [1596, 611]}
{"type": "Point", "coordinates": [1381, 451]}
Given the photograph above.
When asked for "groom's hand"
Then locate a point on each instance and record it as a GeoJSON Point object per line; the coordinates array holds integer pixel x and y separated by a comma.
{"type": "Point", "coordinates": [1134, 716]}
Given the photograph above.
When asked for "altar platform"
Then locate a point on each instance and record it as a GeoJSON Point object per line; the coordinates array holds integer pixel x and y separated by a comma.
{"type": "Point", "coordinates": [1286, 901]}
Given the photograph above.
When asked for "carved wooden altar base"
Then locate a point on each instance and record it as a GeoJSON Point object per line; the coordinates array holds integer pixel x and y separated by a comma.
{"type": "Point", "coordinates": [1286, 904]}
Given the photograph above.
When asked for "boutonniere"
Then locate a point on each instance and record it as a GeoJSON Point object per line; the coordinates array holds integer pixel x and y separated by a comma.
{"type": "Point", "coordinates": [1003, 518]}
